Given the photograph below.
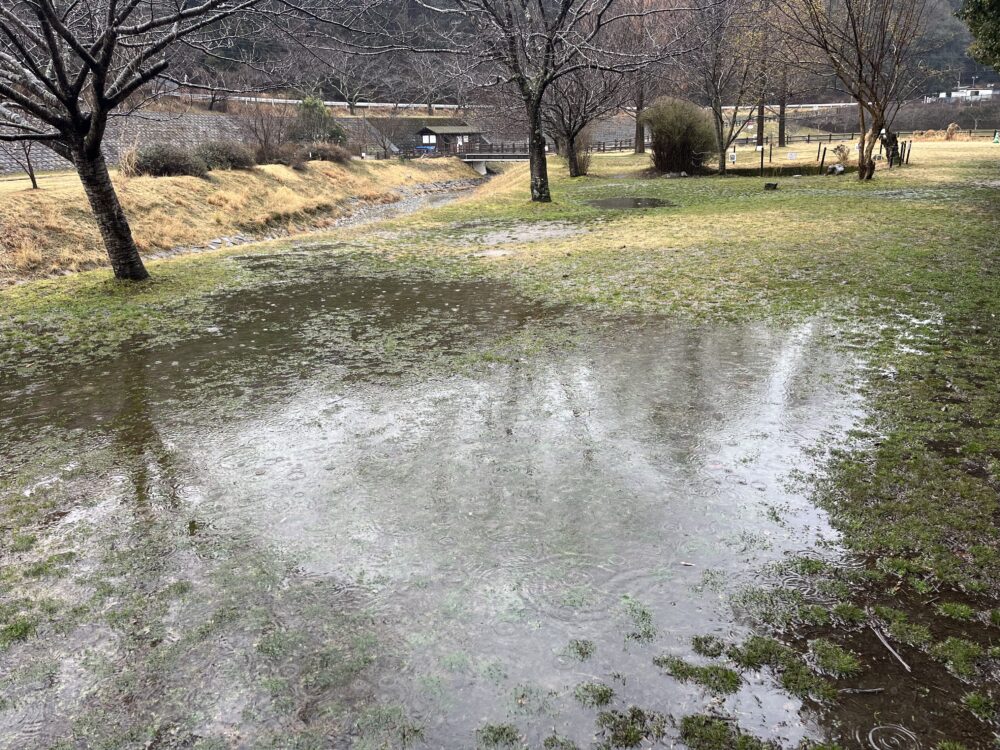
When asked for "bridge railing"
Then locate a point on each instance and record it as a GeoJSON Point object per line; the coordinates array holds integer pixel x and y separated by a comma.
{"type": "Point", "coordinates": [499, 148]}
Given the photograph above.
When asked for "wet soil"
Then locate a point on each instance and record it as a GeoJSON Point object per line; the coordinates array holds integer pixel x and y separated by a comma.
{"type": "Point", "coordinates": [631, 202]}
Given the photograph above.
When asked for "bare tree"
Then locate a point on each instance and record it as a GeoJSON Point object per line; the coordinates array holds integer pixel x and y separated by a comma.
{"type": "Point", "coordinates": [66, 66]}
{"type": "Point", "coordinates": [530, 44]}
{"type": "Point", "coordinates": [575, 101]}
{"type": "Point", "coordinates": [266, 125]}
{"type": "Point", "coordinates": [431, 78]}
{"type": "Point", "coordinates": [20, 154]}
{"type": "Point", "coordinates": [871, 46]}
{"type": "Point", "coordinates": [356, 77]}
{"type": "Point", "coordinates": [391, 131]}
{"type": "Point", "coordinates": [642, 85]}
{"type": "Point", "coordinates": [725, 65]}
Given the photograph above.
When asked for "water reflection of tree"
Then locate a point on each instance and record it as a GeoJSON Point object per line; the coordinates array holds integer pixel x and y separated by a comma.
{"type": "Point", "coordinates": [137, 444]}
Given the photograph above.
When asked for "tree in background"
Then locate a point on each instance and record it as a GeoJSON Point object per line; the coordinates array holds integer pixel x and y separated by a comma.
{"type": "Point", "coordinates": [725, 67]}
{"type": "Point", "coordinates": [573, 103]}
{"type": "Point", "coordinates": [871, 46]}
{"type": "Point", "coordinates": [313, 123]}
{"type": "Point", "coordinates": [431, 79]}
{"type": "Point", "coordinates": [353, 74]}
{"type": "Point", "coordinates": [983, 18]}
{"type": "Point", "coordinates": [647, 40]}
{"type": "Point", "coordinates": [529, 44]}
{"type": "Point", "coordinates": [20, 154]}
{"type": "Point", "coordinates": [268, 127]}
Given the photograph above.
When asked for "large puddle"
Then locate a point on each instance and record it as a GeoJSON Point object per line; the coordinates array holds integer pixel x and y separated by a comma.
{"type": "Point", "coordinates": [374, 540]}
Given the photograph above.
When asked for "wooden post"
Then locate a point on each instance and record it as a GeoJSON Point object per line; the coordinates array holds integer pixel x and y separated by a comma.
{"type": "Point", "coordinates": [807, 137]}
{"type": "Point", "coordinates": [909, 150]}
{"type": "Point", "coordinates": [770, 153]}
{"type": "Point", "coordinates": [818, 147]}
{"type": "Point", "coordinates": [761, 161]}
{"type": "Point", "coordinates": [822, 161]}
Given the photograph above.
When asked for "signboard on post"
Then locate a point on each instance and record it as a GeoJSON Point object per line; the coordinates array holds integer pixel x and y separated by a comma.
{"type": "Point", "coordinates": [732, 158]}
{"type": "Point", "coordinates": [793, 155]}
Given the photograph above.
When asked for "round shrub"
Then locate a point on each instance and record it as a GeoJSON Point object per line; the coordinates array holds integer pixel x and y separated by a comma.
{"type": "Point", "coordinates": [288, 154]}
{"type": "Point", "coordinates": [166, 160]}
{"type": "Point", "coordinates": [328, 152]}
{"type": "Point", "coordinates": [225, 155]}
{"type": "Point", "coordinates": [682, 135]}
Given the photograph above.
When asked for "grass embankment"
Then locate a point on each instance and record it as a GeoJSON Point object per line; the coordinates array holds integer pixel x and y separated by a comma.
{"type": "Point", "coordinates": [51, 230]}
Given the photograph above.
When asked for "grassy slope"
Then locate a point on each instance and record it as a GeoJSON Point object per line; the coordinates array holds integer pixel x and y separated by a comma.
{"type": "Point", "coordinates": [51, 229]}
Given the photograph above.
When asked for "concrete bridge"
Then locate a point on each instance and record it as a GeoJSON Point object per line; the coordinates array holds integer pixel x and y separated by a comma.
{"type": "Point", "coordinates": [477, 160]}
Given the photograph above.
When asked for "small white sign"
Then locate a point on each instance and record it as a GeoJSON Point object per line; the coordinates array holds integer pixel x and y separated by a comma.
{"type": "Point", "coordinates": [759, 148]}
{"type": "Point", "coordinates": [857, 146]}
{"type": "Point", "coordinates": [793, 155]}
{"type": "Point", "coordinates": [732, 158]}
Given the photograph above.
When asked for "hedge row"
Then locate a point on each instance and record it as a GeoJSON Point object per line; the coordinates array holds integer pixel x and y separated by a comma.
{"type": "Point", "coordinates": [167, 160]}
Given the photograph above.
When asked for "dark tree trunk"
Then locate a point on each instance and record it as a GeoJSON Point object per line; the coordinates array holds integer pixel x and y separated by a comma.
{"type": "Point", "coordinates": [29, 166]}
{"type": "Point", "coordinates": [760, 122]}
{"type": "Point", "coordinates": [640, 129]}
{"type": "Point", "coordinates": [115, 229]}
{"type": "Point", "coordinates": [430, 108]}
{"type": "Point", "coordinates": [783, 111]}
{"type": "Point", "coordinates": [869, 136]}
{"type": "Point", "coordinates": [722, 147]}
{"type": "Point", "coordinates": [572, 158]}
{"type": "Point", "coordinates": [536, 154]}
{"type": "Point", "coordinates": [782, 116]}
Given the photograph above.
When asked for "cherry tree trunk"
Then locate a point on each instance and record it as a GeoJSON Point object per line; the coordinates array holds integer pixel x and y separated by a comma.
{"type": "Point", "coordinates": [782, 120]}
{"type": "Point", "coordinates": [640, 129]}
{"type": "Point", "coordinates": [536, 154]}
{"type": "Point", "coordinates": [111, 220]}
{"type": "Point", "coordinates": [573, 158]}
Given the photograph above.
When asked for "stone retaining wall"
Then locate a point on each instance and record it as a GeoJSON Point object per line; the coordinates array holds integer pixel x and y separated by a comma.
{"type": "Point", "coordinates": [188, 129]}
{"type": "Point", "coordinates": [185, 129]}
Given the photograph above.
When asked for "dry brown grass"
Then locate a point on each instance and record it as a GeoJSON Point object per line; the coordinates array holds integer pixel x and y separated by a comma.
{"type": "Point", "coordinates": [47, 231]}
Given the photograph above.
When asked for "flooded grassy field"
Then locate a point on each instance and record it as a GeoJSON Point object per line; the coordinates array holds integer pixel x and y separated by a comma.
{"type": "Point", "coordinates": [369, 503]}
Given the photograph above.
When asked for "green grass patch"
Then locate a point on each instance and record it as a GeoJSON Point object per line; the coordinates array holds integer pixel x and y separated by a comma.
{"type": "Point", "coordinates": [593, 694]}
{"type": "Point", "coordinates": [631, 727]}
{"type": "Point", "coordinates": [581, 649]}
{"type": "Point", "coordinates": [982, 706]}
{"type": "Point", "coordinates": [714, 678]}
{"type": "Point", "coordinates": [708, 645]}
{"type": "Point", "coordinates": [956, 611]}
{"type": "Point", "coordinates": [960, 655]}
{"type": "Point", "coordinates": [702, 732]}
{"type": "Point", "coordinates": [833, 659]}
{"type": "Point", "coordinates": [794, 675]}
{"type": "Point", "coordinates": [498, 736]}
{"type": "Point", "coordinates": [18, 629]}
